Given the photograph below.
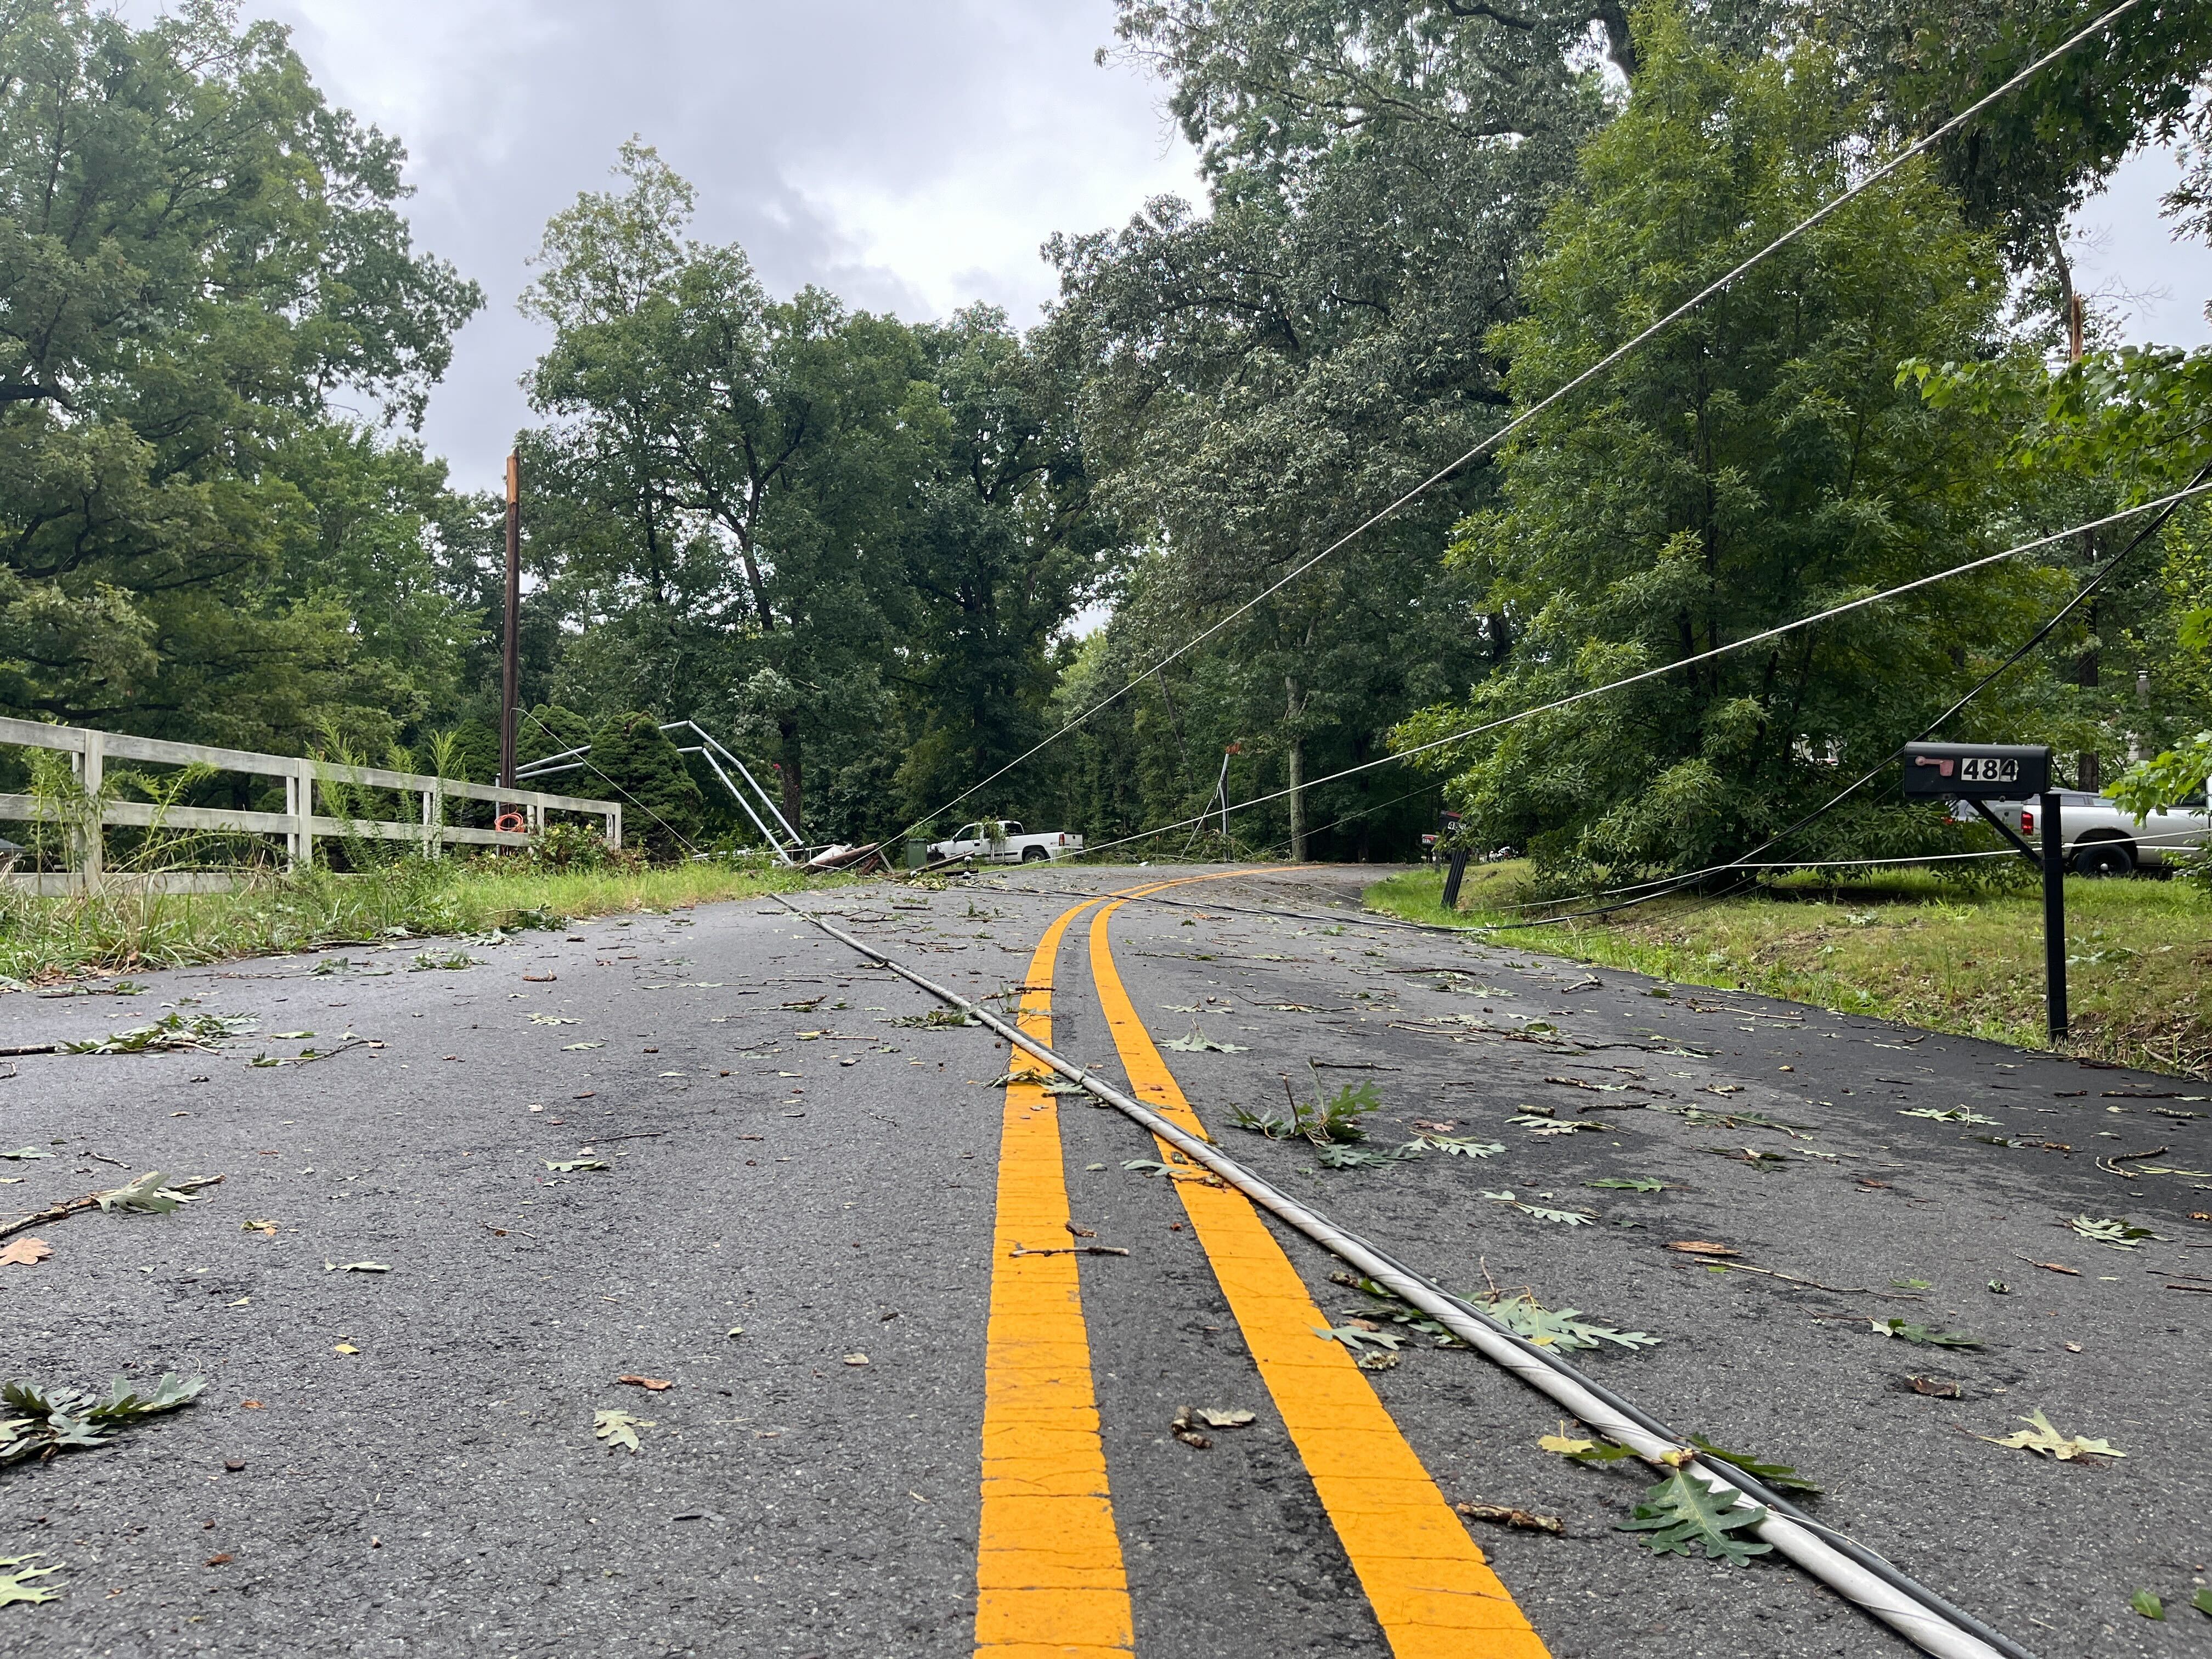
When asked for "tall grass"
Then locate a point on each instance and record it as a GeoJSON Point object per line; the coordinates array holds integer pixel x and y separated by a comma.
{"type": "Point", "coordinates": [116, 930]}
{"type": "Point", "coordinates": [1900, 944]}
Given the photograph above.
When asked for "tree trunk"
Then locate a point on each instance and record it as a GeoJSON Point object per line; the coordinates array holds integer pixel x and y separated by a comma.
{"type": "Point", "coordinates": [1293, 709]}
{"type": "Point", "coordinates": [793, 771]}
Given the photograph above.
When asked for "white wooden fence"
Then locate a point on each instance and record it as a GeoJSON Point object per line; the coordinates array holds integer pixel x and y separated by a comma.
{"type": "Point", "coordinates": [90, 752]}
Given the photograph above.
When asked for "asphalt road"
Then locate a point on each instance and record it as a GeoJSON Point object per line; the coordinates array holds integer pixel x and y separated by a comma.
{"type": "Point", "coordinates": [805, 1227]}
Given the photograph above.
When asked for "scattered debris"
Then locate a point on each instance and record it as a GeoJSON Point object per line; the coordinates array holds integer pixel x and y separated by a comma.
{"type": "Point", "coordinates": [1782, 1475]}
{"type": "Point", "coordinates": [25, 1252]}
{"type": "Point", "coordinates": [16, 1585]}
{"type": "Point", "coordinates": [1563, 1330]}
{"type": "Point", "coordinates": [2116, 1234]}
{"type": "Point", "coordinates": [27, 1153]}
{"type": "Point", "coordinates": [173, 1033]}
{"type": "Point", "coordinates": [619, 1429]}
{"type": "Point", "coordinates": [1544, 1124]}
{"type": "Point", "coordinates": [1702, 1247]}
{"type": "Point", "coordinates": [1068, 1250]}
{"type": "Point", "coordinates": [653, 1384]}
{"type": "Point", "coordinates": [1361, 1335]}
{"type": "Point", "coordinates": [1682, 1516]}
{"type": "Point", "coordinates": [1505, 1515]}
{"type": "Point", "coordinates": [354, 1267]}
{"type": "Point", "coordinates": [1183, 1430]}
{"type": "Point", "coordinates": [574, 1165]}
{"type": "Point", "coordinates": [45, 1421]}
{"type": "Point", "coordinates": [2051, 1267]}
{"type": "Point", "coordinates": [1633, 1184]}
{"type": "Point", "coordinates": [147, 1194]}
{"type": "Point", "coordinates": [1947, 1115]}
{"type": "Point", "coordinates": [1581, 1451]}
{"type": "Point", "coordinates": [1935, 1388]}
{"type": "Point", "coordinates": [1926, 1335]}
{"type": "Point", "coordinates": [1197, 1042]}
{"type": "Point", "coordinates": [1570, 1218]}
{"type": "Point", "coordinates": [2047, 1442]}
{"type": "Point", "coordinates": [856, 1359]}
{"type": "Point", "coordinates": [938, 1019]}
{"type": "Point", "coordinates": [1461, 1145]}
{"type": "Point", "coordinates": [452, 960]}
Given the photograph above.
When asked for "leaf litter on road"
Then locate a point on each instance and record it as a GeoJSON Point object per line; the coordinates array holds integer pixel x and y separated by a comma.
{"type": "Point", "coordinates": [2117, 1233]}
{"type": "Point", "coordinates": [1681, 1516]}
{"type": "Point", "coordinates": [36, 1421]}
{"type": "Point", "coordinates": [16, 1578]}
{"type": "Point", "coordinates": [2043, 1439]}
{"type": "Point", "coordinates": [619, 1429]}
{"type": "Point", "coordinates": [25, 1252]}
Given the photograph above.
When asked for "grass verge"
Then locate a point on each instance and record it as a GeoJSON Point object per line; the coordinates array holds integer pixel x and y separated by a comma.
{"type": "Point", "coordinates": [46, 939]}
{"type": "Point", "coordinates": [1898, 947]}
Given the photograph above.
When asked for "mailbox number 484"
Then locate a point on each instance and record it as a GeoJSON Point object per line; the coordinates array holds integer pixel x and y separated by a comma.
{"type": "Point", "coordinates": [1988, 768]}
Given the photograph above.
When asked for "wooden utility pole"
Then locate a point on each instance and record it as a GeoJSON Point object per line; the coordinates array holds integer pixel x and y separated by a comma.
{"type": "Point", "coordinates": [511, 671]}
{"type": "Point", "coordinates": [2088, 770]}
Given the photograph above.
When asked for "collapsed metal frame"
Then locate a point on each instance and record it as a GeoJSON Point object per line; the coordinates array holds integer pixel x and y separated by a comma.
{"type": "Point", "coordinates": [789, 847]}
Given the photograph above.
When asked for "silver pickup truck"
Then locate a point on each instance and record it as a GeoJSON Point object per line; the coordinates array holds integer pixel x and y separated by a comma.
{"type": "Point", "coordinates": [2100, 838]}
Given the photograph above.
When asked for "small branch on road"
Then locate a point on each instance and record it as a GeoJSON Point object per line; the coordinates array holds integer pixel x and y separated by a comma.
{"type": "Point", "coordinates": [1069, 1249]}
{"type": "Point", "coordinates": [68, 1207]}
{"type": "Point", "coordinates": [1838, 1290]}
{"type": "Point", "coordinates": [2109, 1159]}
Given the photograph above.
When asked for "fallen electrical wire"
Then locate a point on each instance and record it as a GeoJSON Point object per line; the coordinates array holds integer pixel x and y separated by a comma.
{"type": "Point", "coordinates": [1852, 1570]}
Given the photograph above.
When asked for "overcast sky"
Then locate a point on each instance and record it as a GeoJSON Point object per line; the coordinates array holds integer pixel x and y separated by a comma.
{"type": "Point", "coordinates": [910, 156]}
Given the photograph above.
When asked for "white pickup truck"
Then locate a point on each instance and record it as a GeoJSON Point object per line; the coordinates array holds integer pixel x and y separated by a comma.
{"type": "Point", "coordinates": [1004, 843]}
{"type": "Point", "coordinates": [2100, 838]}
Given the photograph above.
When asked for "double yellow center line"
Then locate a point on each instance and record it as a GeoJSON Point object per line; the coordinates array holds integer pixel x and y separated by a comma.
{"type": "Point", "coordinates": [1050, 1573]}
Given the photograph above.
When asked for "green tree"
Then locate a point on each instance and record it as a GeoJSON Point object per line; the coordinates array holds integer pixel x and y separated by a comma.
{"type": "Point", "coordinates": [196, 252]}
{"type": "Point", "coordinates": [728, 469]}
{"type": "Point", "coordinates": [1757, 462]}
{"type": "Point", "coordinates": [637, 766]}
{"type": "Point", "coordinates": [1001, 545]}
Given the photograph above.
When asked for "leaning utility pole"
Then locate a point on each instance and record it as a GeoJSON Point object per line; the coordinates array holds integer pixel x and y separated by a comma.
{"type": "Point", "coordinates": [510, 672]}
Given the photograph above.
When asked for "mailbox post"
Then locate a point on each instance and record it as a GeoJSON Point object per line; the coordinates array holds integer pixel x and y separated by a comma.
{"type": "Point", "coordinates": [1977, 773]}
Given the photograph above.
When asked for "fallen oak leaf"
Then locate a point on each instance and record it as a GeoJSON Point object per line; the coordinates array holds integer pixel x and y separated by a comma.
{"type": "Point", "coordinates": [653, 1384]}
{"type": "Point", "coordinates": [24, 1252]}
{"type": "Point", "coordinates": [2046, 1441]}
{"type": "Point", "coordinates": [619, 1429]}
{"type": "Point", "coordinates": [1681, 1516]}
{"type": "Point", "coordinates": [17, 1586]}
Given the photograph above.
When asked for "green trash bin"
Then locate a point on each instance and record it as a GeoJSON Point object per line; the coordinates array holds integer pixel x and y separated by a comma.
{"type": "Point", "coordinates": [917, 854]}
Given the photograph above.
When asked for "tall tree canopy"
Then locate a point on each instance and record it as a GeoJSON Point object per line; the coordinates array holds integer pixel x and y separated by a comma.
{"type": "Point", "coordinates": [1755, 463]}
{"type": "Point", "coordinates": [197, 255]}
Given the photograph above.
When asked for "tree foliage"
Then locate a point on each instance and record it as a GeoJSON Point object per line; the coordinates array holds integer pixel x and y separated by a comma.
{"type": "Point", "coordinates": [196, 254]}
{"type": "Point", "coordinates": [1756, 463]}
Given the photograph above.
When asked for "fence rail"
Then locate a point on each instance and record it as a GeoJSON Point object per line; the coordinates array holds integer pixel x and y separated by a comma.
{"type": "Point", "coordinates": [300, 822]}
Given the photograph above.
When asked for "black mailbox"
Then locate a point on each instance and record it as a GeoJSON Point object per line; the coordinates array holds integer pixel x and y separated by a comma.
{"type": "Point", "coordinates": [1975, 771]}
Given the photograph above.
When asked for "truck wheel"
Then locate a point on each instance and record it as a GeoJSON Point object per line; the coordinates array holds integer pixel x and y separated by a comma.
{"type": "Point", "coordinates": [2103, 858]}
{"type": "Point", "coordinates": [1034, 855]}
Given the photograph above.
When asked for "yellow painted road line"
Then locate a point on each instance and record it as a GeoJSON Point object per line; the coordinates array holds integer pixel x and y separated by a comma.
{"type": "Point", "coordinates": [1049, 1572]}
{"type": "Point", "coordinates": [1434, 1594]}
{"type": "Point", "coordinates": [1050, 1579]}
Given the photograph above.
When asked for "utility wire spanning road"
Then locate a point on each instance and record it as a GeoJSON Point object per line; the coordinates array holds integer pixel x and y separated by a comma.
{"type": "Point", "coordinates": [888, 1432]}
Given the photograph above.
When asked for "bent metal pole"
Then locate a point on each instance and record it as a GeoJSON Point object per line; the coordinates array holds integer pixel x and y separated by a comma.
{"type": "Point", "coordinates": [1915, 1612]}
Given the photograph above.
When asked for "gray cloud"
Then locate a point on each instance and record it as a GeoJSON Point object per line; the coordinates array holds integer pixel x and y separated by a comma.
{"type": "Point", "coordinates": [909, 157]}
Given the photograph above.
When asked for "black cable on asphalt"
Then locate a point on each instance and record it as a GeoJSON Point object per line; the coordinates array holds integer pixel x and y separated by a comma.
{"type": "Point", "coordinates": [1538, 407]}
{"type": "Point", "coordinates": [1529, 1358]}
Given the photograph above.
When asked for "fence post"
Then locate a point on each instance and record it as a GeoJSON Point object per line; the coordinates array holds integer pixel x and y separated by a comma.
{"type": "Point", "coordinates": [91, 767]}
{"type": "Point", "coordinates": [614, 828]}
{"type": "Point", "coordinates": [300, 799]}
{"type": "Point", "coordinates": [434, 823]}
